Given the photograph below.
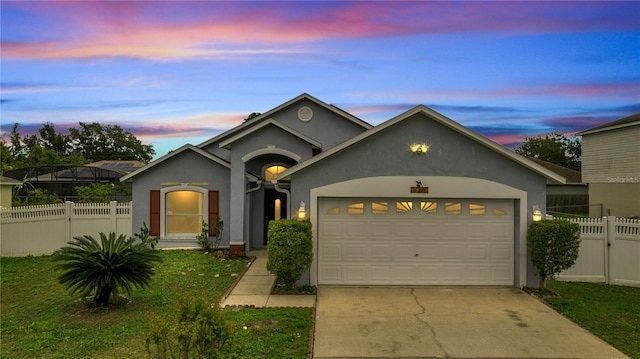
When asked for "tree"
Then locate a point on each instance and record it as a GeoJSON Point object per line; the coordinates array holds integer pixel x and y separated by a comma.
{"type": "Point", "coordinates": [90, 142]}
{"type": "Point", "coordinates": [553, 246]}
{"type": "Point", "coordinates": [554, 148]}
{"type": "Point", "coordinates": [105, 268]}
{"type": "Point", "coordinates": [110, 142]}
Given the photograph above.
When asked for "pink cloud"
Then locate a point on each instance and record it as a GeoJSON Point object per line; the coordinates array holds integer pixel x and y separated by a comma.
{"type": "Point", "coordinates": [172, 30]}
{"type": "Point", "coordinates": [573, 90]}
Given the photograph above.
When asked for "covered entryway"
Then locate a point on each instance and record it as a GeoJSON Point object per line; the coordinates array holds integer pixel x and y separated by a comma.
{"type": "Point", "coordinates": [415, 241]}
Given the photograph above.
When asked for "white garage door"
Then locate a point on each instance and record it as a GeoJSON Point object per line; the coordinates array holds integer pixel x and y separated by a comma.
{"type": "Point", "coordinates": [415, 241]}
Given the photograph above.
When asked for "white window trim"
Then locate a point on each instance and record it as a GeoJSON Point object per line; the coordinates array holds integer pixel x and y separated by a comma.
{"type": "Point", "coordinates": [163, 212]}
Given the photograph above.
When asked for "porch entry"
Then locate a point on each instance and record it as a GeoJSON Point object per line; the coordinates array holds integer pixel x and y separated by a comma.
{"type": "Point", "coordinates": [275, 207]}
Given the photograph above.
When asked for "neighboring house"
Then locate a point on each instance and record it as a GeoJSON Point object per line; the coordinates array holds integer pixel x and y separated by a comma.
{"type": "Point", "coordinates": [571, 197]}
{"type": "Point", "coordinates": [6, 190]}
{"type": "Point", "coordinates": [63, 178]}
{"type": "Point", "coordinates": [418, 199]}
{"type": "Point", "coordinates": [611, 167]}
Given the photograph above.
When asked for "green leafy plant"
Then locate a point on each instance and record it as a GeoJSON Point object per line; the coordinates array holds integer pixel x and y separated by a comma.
{"type": "Point", "coordinates": [289, 248]}
{"type": "Point", "coordinates": [99, 192]}
{"type": "Point", "coordinates": [105, 268]}
{"type": "Point", "coordinates": [553, 246]}
{"type": "Point", "coordinates": [145, 238]}
{"type": "Point", "coordinates": [219, 227]}
{"type": "Point", "coordinates": [201, 330]}
{"type": "Point", "coordinates": [203, 238]}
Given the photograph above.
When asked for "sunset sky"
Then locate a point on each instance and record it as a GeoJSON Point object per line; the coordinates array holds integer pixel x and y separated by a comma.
{"type": "Point", "coordinates": [181, 72]}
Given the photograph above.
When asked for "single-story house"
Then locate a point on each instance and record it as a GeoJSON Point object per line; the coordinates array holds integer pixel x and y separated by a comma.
{"type": "Point", "coordinates": [416, 200]}
{"type": "Point", "coordinates": [611, 167]}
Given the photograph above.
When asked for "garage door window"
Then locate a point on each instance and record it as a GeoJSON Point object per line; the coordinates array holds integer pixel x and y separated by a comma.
{"type": "Point", "coordinates": [404, 206]}
{"type": "Point", "coordinates": [476, 209]}
{"type": "Point", "coordinates": [453, 208]}
{"type": "Point", "coordinates": [355, 208]}
{"type": "Point", "coordinates": [379, 207]}
{"type": "Point", "coordinates": [334, 210]}
{"type": "Point", "coordinates": [499, 212]}
{"type": "Point", "coordinates": [429, 207]}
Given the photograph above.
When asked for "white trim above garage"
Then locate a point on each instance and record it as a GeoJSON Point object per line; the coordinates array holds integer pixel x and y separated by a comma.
{"type": "Point", "coordinates": [439, 187]}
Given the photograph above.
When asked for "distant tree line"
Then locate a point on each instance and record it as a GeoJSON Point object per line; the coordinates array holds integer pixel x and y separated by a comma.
{"type": "Point", "coordinates": [89, 142]}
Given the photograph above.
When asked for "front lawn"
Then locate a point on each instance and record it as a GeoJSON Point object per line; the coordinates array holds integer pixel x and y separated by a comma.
{"type": "Point", "coordinates": [611, 312]}
{"type": "Point", "coordinates": [41, 320]}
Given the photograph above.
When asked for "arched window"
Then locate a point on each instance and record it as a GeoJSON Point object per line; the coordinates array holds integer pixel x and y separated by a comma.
{"type": "Point", "coordinates": [184, 212]}
{"type": "Point", "coordinates": [273, 171]}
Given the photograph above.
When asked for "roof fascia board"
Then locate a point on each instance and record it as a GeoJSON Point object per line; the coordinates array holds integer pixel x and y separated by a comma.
{"type": "Point", "coordinates": [226, 143]}
{"type": "Point", "coordinates": [442, 120]}
{"type": "Point", "coordinates": [186, 147]}
{"type": "Point", "coordinates": [603, 129]}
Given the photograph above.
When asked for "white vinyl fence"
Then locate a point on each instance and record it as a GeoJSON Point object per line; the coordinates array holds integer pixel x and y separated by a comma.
{"type": "Point", "coordinates": [609, 252]}
{"type": "Point", "coordinates": [38, 230]}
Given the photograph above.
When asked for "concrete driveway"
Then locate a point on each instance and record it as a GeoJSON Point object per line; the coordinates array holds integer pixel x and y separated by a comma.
{"type": "Point", "coordinates": [434, 322]}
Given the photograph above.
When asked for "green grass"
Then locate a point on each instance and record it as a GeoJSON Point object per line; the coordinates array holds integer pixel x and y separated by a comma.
{"type": "Point", "coordinates": [608, 311]}
{"type": "Point", "coordinates": [39, 319]}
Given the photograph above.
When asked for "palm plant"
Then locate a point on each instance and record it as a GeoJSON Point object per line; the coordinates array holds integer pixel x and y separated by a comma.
{"type": "Point", "coordinates": [105, 268]}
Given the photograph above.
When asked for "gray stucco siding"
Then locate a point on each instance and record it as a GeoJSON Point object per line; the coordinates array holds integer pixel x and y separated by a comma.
{"type": "Point", "coordinates": [326, 126]}
{"type": "Point", "coordinates": [185, 167]}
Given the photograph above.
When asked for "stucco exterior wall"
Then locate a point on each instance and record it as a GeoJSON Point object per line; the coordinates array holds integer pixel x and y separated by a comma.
{"type": "Point", "coordinates": [185, 167]}
{"type": "Point", "coordinates": [326, 126]}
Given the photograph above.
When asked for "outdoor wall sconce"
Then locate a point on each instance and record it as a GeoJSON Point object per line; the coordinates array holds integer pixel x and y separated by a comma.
{"type": "Point", "coordinates": [302, 212]}
{"type": "Point", "coordinates": [536, 214]}
{"type": "Point", "coordinates": [419, 148]}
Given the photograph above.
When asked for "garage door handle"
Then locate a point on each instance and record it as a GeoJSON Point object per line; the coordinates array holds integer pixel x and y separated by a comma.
{"type": "Point", "coordinates": [417, 255]}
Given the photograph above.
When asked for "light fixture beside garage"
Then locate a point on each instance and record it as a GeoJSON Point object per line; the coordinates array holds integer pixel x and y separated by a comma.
{"type": "Point", "coordinates": [302, 212]}
{"type": "Point", "coordinates": [419, 148]}
{"type": "Point", "coordinates": [536, 214]}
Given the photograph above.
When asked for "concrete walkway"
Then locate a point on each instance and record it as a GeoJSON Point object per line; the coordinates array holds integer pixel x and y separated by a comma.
{"type": "Point", "coordinates": [254, 289]}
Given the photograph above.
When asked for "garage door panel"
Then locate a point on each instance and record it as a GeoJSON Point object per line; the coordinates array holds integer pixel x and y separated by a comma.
{"type": "Point", "coordinates": [380, 252]}
{"type": "Point", "coordinates": [355, 274]}
{"type": "Point", "coordinates": [355, 229]}
{"type": "Point", "coordinates": [416, 247]}
{"type": "Point", "coordinates": [404, 251]}
{"type": "Point", "coordinates": [452, 252]}
{"type": "Point", "coordinates": [502, 252]}
{"type": "Point", "coordinates": [355, 252]}
{"type": "Point", "coordinates": [330, 251]}
{"type": "Point", "coordinates": [330, 229]}
{"type": "Point", "coordinates": [330, 274]}
{"type": "Point", "coordinates": [478, 252]}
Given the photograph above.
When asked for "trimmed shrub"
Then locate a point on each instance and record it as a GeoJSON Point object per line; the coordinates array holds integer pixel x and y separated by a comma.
{"type": "Point", "coordinates": [290, 249]}
{"type": "Point", "coordinates": [554, 246]}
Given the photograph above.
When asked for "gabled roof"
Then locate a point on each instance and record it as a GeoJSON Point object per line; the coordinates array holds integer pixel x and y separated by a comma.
{"type": "Point", "coordinates": [628, 121]}
{"type": "Point", "coordinates": [171, 154]}
{"type": "Point", "coordinates": [226, 143]}
{"type": "Point", "coordinates": [550, 175]}
{"type": "Point", "coordinates": [232, 132]}
{"type": "Point", "coordinates": [572, 176]}
{"type": "Point", "coordinates": [8, 181]}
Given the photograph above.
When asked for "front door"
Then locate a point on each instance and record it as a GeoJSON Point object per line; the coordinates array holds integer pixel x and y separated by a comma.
{"type": "Point", "coordinates": [275, 207]}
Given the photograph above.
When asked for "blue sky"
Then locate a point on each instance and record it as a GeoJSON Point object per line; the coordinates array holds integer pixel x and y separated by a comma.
{"type": "Point", "coordinates": [182, 72]}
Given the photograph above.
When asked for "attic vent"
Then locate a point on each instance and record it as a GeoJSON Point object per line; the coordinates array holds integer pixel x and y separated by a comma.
{"type": "Point", "coordinates": [305, 114]}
